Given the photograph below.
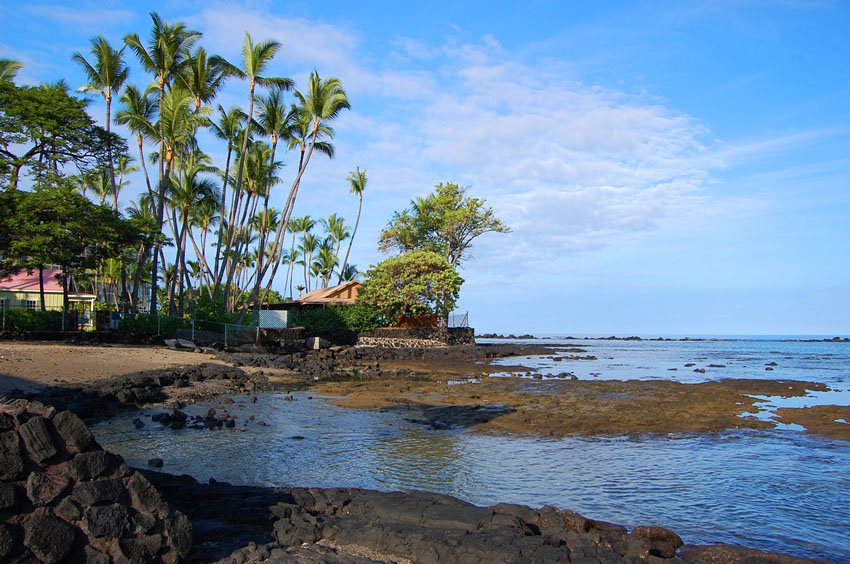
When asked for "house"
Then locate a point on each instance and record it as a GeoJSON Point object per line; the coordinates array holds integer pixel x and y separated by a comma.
{"type": "Point", "coordinates": [21, 291]}
{"type": "Point", "coordinates": [276, 315]}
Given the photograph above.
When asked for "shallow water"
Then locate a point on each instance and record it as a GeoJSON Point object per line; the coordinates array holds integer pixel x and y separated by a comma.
{"type": "Point", "coordinates": [778, 490]}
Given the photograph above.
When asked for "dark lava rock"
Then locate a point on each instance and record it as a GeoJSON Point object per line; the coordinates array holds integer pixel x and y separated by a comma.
{"type": "Point", "coordinates": [663, 543]}
{"type": "Point", "coordinates": [107, 520]}
{"type": "Point", "coordinates": [7, 541]}
{"type": "Point", "coordinates": [11, 461]}
{"type": "Point", "coordinates": [98, 491]}
{"type": "Point", "coordinates": [73, 431]}
{"type": "Point", "coordinates": [43, 488]}
{"type": "Point", "coordinates": [8, 497]}
{"type": "Point", "coordinates": [36, 437]}
{"type": "Point", "coordinates": [89, 465]}
{"type": "Point", "coordinates": [49, 538]}
{"type": "Point", "coordinates": [155, 463]}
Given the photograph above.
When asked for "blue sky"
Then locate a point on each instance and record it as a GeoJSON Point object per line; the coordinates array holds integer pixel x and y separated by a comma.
{"type": "Point", "coordinates": [666, 167]}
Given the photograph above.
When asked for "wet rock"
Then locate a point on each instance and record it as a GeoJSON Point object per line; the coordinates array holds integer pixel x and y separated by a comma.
{"type": "Point", "coordinates": [662, 542]}
{"type": "Point", "coordinates": [49, 538]}
{"type": "Point", "coordinates": [699, 370]}
{"type": "Point", "coordinates": [36, 438]}
{"type": "Point", "coordinates": [73, 431]}
{"type": "Point", "coordinates": [43, 488]}
{"type": "Point", "coordinates": [155, 463]}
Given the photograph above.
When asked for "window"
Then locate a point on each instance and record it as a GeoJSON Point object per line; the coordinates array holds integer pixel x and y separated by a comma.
{"type": "Point", "coordinates": [32, 305]}
{"type": "Point", "coordinates": [2, 303]}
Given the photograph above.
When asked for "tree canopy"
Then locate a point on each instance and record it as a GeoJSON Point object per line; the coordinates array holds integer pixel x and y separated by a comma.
{"type": "Point", "coordinates": [412, 284]}
{"type": "Point", "coordinates": [43, 128]}
{"type": "Point", "coordinates": [444, 222]}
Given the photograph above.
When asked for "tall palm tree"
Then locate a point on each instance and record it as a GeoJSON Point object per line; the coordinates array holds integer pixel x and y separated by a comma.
{"type": "Point", "coordinates": [357, 183]}
{"type": "Point", "coordinates": [125, 167]}
{"type": "Point", "coordinates": [323, 101]}
{"type": "Point", "coordinates": [227, 129]}
{"type": "Point", "coordinates": [9, 69]}
{"type": "Point", "coordinates": [106, 76]}
{"type": "Point", "coordinates": [164, 56]}
{"type": "Point", "coordinates": [203, 76]}
{"type": "Point", "coordinates": [337, 232]}
{"type": "Point", "coordinates": [138, 115]}
{"type": "Point", "coordinates": [255, 60]}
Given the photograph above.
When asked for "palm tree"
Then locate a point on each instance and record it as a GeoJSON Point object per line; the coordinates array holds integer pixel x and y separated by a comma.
{"type": "Point", "coordinates": [337, 232]}
{"type": "Point", "coordinates": [203, 76]}
{"type": "Point", "coordinates": [124, 168]}
{"type": "Point", "coordinates": [9, 69]}
{"type": "Point", "coordinates": [357, 183]}
{"type": "Point", "coordinates": [308, 246]}
{"type": "Point", "coordinates": [138, 114]}
{"type": "Point", "coordinates": [106, 77]}
{"type": "Point", "coordinates": [255, 59]}
{"type": "Point", "coordinates": [227, 129]}
{"type": "Point", "coordinates": [326, 261]}
{"type": "Point", "coordinates": [323, 102]}
{"type": "Point", "coordinates": [164, 56]}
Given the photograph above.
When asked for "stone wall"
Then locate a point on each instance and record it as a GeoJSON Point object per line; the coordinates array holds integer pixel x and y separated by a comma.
{"type": "Point", "coordinates": [417, 337]}
{"type": "Point", "coordinates": [63, 498]}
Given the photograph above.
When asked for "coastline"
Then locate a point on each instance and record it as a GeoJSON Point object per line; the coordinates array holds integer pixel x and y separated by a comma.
{"type": "Point", "coordinates": [360, 378]}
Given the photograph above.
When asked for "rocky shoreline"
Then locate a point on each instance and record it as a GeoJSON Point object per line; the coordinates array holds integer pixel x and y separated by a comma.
{"type": "Point", "coordinates": [251, 524]}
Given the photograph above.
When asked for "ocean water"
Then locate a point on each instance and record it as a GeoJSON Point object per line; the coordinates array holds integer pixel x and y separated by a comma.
{"type": "Point", "coordinates": [779, 490]}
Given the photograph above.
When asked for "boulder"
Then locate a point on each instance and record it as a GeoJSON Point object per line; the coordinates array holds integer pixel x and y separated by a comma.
{"type": "Point", "coordinates": [36, 438]}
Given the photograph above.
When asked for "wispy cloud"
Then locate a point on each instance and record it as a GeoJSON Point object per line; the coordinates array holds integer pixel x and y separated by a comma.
{"type": "Point", "coordinates": [88, 15]}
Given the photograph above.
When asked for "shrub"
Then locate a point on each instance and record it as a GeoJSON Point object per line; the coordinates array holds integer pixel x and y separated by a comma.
{"type": "Point", "coordinates": [352, 317]}
{"type": "Point", "coordinates": [33, 320]}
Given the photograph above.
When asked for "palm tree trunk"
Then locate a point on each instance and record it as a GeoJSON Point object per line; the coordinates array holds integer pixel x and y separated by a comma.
{"type": "Point", "coordinates": [351, 241]}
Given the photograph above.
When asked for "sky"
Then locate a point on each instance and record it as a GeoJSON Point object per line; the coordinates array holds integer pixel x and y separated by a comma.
{"type": "Point", "coordinates": [666, 168]}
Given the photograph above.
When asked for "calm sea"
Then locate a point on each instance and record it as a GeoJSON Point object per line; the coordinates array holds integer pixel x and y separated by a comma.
{"type": "Point", "coordinates": [779, 490]}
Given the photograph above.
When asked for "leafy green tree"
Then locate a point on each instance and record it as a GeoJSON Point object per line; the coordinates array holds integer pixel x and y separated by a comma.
{"type": "Point", "coordinates": [43, 128]}
{"type": "Point", "coordinates": [412, 284]}
{"type": "Point", "coordinates": [9, 69]}
{"type": "Point", "coordinates": [54, 225]}
{"type": "Point", "coordinates": [444, 222]}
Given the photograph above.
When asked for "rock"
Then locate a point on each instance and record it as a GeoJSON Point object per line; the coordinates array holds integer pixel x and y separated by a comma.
{"type": "Point", "coordinates": [88, 465]}
{"type": "Point", "coordinates": [8, 497]}
{"type": "Point", "coordinates": [7, 541]}
{"type": "Point", "coordinates": [699, 370]}
{"type": "Point", "coordinates": [179, 531]}
{"type": "Point", "coordinates": [11, 461]}
{"type": "Point", "coordinates": [49, 538]}
{"type": "Point", "coordinates": [663, 542]}
{"type": "Point", "coordinates": [144, 496]}
{"type": "Point", "coordinates": [98, 491]}
{"type": "Point", "coordinates": [95, 557]}
{"type": "Point", "coordinates": [73, 431]}
{"type": "Point", "coordinates": [7, 422]}
{"type": "Point", "coordinates": [107, 520]}
{"type": "Point", "coordinates": [68, 510]}
{"type": "Point", "coordinates": [155, 463]}
{"type": "Point", "coordinates": [142, 549]}
{"type": "Point", "coordinates": [42, 488]}
{"type": "Point", "coordinates": [36, 437]}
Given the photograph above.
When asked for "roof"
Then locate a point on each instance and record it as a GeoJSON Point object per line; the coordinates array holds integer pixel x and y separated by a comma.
{"type": "Point", "coordinates": [25, 281]}
{"type": "Point", "coordinates": [343, 294]}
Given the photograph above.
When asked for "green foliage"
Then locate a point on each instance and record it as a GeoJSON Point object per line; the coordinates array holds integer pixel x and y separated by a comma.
{"type": "Point", "coordinates": [444, 222]}
{"type": "Point", "coordinates": [30, 320]}
{"type": "Point", "coordinates": [48, 128]}
{"type": "Point", "coordinates": [143, 324]}
{"type": "Point", "coordinates": [357, 317]}
{"type": "Point", "coordinates": [212, 308]}
{"type": "Point", "coordinates": [413, 284]}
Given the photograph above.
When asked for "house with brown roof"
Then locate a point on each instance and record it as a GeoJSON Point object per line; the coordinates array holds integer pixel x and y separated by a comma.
{"type": "Point", "coordinates": [21, 290]}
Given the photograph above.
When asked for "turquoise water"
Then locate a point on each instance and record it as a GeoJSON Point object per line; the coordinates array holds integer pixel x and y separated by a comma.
{"type": "Point", "coordinates": [776, 490]}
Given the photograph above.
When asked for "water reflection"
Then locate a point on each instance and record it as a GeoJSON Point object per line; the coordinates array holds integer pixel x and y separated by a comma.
{"type": "Point", "coordinates": [772, 490]}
